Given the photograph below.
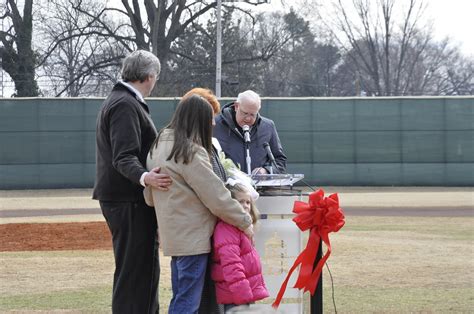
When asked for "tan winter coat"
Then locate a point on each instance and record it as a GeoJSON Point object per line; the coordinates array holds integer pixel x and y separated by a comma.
{"type": "Point", "coordinates": [188, 211]}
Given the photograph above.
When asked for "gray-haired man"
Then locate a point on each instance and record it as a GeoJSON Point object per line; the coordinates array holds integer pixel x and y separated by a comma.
{"type": "Point", "coordinates": [229, 131]}
{"type": "Point", "coordinates": [125, 133]}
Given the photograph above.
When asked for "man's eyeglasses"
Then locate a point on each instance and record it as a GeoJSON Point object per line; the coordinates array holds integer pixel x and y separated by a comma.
{"type": "Point", "coordinates": [246, 114]}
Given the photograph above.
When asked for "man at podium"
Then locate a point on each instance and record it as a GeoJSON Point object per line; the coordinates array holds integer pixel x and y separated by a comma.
{"type": "Point", "coordinates": [249, 139]}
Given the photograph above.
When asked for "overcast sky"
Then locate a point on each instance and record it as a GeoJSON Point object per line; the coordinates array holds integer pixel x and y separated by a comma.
{"type": "Point", "coordinates": [454, 18]}
{"type": "Point", "coordinates": [451, 18]}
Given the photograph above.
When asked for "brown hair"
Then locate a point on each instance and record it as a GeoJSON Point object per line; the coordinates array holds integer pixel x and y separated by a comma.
{"type": "Point", "coordinates": [240, 188]}
{"type": "Point", "coordinates": [192, 124]}
{"type": "Point", "coordinates": [208, 95]}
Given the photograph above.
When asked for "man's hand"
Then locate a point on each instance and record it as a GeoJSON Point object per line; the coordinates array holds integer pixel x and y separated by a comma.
{"type": "Point", "coordinates": [259, 170]}
{"type": "Point", "coordinates": [157, 180]}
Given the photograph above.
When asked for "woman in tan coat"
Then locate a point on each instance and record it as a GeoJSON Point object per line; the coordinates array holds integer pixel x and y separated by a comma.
{"type": "Point", "coordinates": [187, 213]}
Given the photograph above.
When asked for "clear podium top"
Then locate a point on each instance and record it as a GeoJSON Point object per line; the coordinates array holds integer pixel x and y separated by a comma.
{"type": "Point", "coordinates": [276, 180]}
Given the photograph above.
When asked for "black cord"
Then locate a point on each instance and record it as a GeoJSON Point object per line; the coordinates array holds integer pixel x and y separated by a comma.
{"type": "Point", "coordinates": [307, 184]}
{"type": "Point", "coordinates": [332, 286]}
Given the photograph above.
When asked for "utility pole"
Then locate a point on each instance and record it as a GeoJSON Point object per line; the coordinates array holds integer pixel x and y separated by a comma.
{"type": "Point", "coordinates": [219, 40]}
{"type": "Point", "coordinates": [1, 63]}
{"type": "Point", "coordinates": [218, 49]}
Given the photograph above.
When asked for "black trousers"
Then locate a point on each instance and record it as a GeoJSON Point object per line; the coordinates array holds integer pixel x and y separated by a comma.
{"type": "Point", "coordinates": [209, 303]}
{"type": "Point", "coordinates": [137, 267]}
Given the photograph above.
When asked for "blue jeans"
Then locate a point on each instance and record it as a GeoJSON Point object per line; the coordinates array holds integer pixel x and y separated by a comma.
{"type": "Point", "coordinates": [187, 280]}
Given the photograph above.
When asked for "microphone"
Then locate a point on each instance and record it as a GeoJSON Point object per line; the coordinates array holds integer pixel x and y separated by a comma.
{"type": "Point", "coordinates": [246, 130]}
{"type": "Point", "coordinates": [270, 156]}
{"type": "Point", "coordinates": [269, 152]}
{"type": "Point", "coordinates": [248, 160]}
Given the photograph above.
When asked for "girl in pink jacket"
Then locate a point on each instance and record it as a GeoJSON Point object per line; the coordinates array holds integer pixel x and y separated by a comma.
{"type": "Point", "coordinates": [236, 267]}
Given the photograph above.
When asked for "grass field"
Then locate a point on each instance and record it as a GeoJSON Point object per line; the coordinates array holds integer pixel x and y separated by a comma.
{"type": "Point", "coordinates": [401, 264]}
{"type": "Point", "coordinates": [379, 265]}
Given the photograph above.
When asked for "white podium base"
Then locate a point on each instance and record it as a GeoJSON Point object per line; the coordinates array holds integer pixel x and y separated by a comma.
{"type": "Point", "coordinates": [279, 242]}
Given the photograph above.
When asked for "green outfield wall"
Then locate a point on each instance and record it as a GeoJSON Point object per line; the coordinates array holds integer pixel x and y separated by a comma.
{"type": "Point", "coordinates": [396, 141]}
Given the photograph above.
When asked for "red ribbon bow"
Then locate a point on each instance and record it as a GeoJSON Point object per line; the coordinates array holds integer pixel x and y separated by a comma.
{"type": "Point", "coordinates": [321, 215]}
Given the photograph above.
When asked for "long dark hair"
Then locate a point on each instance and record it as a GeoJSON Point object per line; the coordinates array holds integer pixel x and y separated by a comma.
{"type": "Point", "coordinates": [191, 123]}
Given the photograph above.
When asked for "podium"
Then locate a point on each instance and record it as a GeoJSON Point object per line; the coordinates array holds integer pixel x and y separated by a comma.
{"type": "Point", "coordinates": [276, 181]}
{"type": "Point", "coordinates": [278, 239]}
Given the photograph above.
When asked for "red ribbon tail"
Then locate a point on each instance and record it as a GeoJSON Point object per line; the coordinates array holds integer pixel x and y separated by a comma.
{"type": "Point", "coordinates": [280, 294]}
{"type": "Point", "coordinates": [313, 282]}
{"type": "Point", "coordinates": [307, 261]}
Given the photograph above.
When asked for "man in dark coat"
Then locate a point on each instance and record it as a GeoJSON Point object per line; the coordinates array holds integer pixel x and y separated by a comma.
{"type": "Point", "coordinates": [229, 131]}
{"type": "Point", "coordinates": [125, 133]}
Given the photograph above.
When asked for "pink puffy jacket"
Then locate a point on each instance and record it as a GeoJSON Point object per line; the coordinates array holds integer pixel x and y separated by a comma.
{"type": "Point", "coordinates": [236, 267]}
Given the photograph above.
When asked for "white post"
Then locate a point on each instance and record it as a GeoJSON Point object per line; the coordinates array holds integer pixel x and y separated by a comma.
{"type": "Point", "coordinates": [1, 65]}
{"type": "Point", "coordinates": [218, 49]}
{"type": "Point", "coordinates": [219, 42]}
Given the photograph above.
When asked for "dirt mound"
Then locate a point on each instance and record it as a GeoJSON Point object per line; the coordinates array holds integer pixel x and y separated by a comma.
{"type": "Point", "coordinates": [54, 236]}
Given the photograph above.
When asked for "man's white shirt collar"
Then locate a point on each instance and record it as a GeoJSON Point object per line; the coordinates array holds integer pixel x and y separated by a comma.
{"type": "Point", "coordinates": [133, 90]}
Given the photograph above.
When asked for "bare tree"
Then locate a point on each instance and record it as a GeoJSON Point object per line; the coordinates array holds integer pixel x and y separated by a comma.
{"type": "Point", "coordinates": [447, 71]}
{"type": "Point", "coordinates": [78, 60]}
{"type": "Point", "coordinates": [377, 44]}
{"type": "Point", "coordinates": [250, 46]}
{"type": "Point", "coordinates": [304, 65]}
{"type": "Point", "coordinates": [155, 25]}
{"type": "Point", "coordinates": [18, 57]}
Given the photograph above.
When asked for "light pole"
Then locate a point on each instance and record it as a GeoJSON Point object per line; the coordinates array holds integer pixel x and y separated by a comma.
{"type": "Point", "coordinates": [219, 40]}
{"type": "Point", "coordinates": [1, 62]}
{"type": "Point", "coordinates": [218, 49]}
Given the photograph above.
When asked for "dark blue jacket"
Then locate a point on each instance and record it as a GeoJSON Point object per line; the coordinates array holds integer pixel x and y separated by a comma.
{"type": "Point", "coordinates": [232, 141]}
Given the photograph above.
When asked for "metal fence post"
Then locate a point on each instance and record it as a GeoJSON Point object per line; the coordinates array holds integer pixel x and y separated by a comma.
{"type": "Point", "coordinates": [316, 302]}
